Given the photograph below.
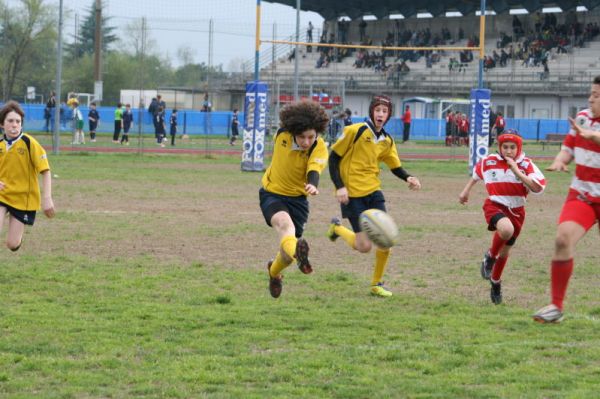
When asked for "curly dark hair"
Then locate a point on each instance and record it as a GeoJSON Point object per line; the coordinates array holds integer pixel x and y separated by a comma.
{"type": "Point", "coordinates": [299, 117]}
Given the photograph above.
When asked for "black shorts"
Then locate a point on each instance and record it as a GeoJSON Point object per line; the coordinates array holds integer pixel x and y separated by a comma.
{"type": "Point", "coordinates": [25, 217]}
{"type": "Point", "coordinates": [358, 205]}
{"type": "Point", "coordinates": [296, 207]}
{"type": "Point", "coordinates": [93, 126]}
{"type": "Point", "coordinates": [234, 130]}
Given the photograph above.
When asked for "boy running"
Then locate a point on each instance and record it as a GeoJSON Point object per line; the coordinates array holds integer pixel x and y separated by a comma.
{"type": "Point", "coordinates": [581, 209]}
{"type": "Point", "coordinates": [508, 176]}
{"type": "Point", "coordinates": [354, 169]}
{"type": "Point", "coordinates": [22, 158]}
{"type": "Point", "coordinates": [299, 157]}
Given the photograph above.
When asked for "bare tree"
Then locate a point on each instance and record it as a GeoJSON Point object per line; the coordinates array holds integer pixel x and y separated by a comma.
{"type": "Point", "coordinates": [137, 40]}
{"type": "Point", "coordinates": [236, 65]}
{"type": "Point", "coordinates": [185, 55]}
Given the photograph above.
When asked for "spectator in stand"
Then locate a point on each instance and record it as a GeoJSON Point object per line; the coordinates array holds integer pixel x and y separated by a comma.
{"type": "Point", "coordinates": [517, 27]}
{"type": "Point", "coordinates": [362, 28]}
{"type": "Point", "coordinates": [309, 31]}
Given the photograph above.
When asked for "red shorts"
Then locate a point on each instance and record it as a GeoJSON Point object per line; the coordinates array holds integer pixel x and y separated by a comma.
{"type": "Point", "coordinates": [577, 209]}
{"type": "Point", "coordinates": [494, 212]}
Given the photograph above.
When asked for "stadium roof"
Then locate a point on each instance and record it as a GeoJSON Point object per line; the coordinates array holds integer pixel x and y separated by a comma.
{"type": "Point", "coordinates": [330, 9]}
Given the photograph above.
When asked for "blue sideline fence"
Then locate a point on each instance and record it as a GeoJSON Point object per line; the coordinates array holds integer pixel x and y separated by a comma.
{"type": "Point", "coordinates": [219, 123]}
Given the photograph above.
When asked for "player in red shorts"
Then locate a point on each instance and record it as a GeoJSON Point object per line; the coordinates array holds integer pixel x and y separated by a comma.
{"type": "Point", "coordinates": [509, 176]}
{"type": "Point", "coordinates": [581, 209]}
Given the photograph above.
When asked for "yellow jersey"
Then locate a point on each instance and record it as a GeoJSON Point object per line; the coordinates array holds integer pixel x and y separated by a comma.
{"type": "Point", "coordinates": [290, 165]}
{"type": "Point", "coordinates": [361, 152]}
{"type": "Point", "coordinates": [21, 161]}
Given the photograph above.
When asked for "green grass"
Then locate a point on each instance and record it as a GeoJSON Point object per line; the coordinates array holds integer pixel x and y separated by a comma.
{"type": "Point", "coordinates": [151, 283]}
{"type": "Point", "coordinates": [74, 328]}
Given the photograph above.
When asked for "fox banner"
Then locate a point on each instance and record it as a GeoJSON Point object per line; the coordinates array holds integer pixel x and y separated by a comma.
{"type": "Point", "coordinates": [481, 107]}
{"type": "Point", "coordinates": [255, 125]}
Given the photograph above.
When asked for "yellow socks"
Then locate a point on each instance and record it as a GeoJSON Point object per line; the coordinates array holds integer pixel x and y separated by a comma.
{"type": "Point", "coordinates": [381, 259]}
{"type": "Point", "coordinates": [288, 245]}
{"type": "Point", "coordinates": [347, 235]}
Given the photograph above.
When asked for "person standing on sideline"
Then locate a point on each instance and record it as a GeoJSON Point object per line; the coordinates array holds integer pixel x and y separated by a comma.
{"type": "Point", "coordinates": [354, 168]}
{"type": "Point", "coordinates": [509, 176]}
{"type": "Point", "coordinates": [235, 122]}
{"type": "Point", "coordinates": [299, 157]}
{"type": "Point", "coordinates": [22, 159]}
{"type": "Point", "coordinates": [159, 126]}
{"type": "Point", "coordinates": [77, 117]}
{"type": "Point", "coordinates": [127, 123]}
{"type": "Point", "coordinates": [51, 107]}
{"type": "Point", "coordinates": [581, 209]}
{"type": "Point", "coordinates": [118, 123]}
{"type": "Point", "coordinates": [93, 118]}
{"type": "Point", "coordinates": [406, 119]}
{"type": "Point", "coordinates": [497, 128]}
{"type": "Point", "coordinates": [173, 126]}
{"type": "Point", "coordinates": [347, 117]}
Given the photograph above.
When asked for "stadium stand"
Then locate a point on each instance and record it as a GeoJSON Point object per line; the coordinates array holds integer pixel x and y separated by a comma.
{"type": "Point", "coordinates": [556, 57]}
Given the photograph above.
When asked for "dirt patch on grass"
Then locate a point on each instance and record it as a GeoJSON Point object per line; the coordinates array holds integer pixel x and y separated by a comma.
{"type": "Point", "coordinates": [190, 213]}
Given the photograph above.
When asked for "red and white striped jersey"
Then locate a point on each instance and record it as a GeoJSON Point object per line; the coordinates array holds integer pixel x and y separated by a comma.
{"type": "Point", "coordinates": [586, 154]}
{"type": "Point", "coordinates": [502, 185]}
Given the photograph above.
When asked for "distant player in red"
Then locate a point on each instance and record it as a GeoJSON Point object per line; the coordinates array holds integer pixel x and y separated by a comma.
{"type": "Point", "coordinates": [406, 120]}
{"type": "Point", "coordinates": [509, 176]}
{"type": "Point", "coordinates": [581, 209]}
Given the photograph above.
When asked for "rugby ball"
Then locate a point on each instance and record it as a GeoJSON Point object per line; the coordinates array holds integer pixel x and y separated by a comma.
{"type": "Point", "coordinates": [379, 227]}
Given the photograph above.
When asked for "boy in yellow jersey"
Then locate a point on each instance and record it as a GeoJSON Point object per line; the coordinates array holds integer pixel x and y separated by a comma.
{"type": "Point", "coordinates": [22, 158]}
{"type": "Point", "coordinates": [299, 157]}
{"type": "Point", "coordinates": [354, 169]}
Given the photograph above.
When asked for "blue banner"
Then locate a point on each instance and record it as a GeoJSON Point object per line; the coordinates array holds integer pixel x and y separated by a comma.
{"type": "Point", "coordinates": [481, 107]}
{"type": "Point", "coordinates": [255, 125]}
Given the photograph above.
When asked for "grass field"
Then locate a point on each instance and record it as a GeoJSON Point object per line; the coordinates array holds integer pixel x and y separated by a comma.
{"type": "Point", "coordinates": [151, 283]}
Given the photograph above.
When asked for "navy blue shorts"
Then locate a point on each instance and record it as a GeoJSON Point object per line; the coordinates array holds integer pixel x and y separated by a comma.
{"type": "Point", "coordinates": [296, 207]}
{"type": "Point", "coordinates": [358, 205]}
{"type": "Point", "coordinates": [25, 217]}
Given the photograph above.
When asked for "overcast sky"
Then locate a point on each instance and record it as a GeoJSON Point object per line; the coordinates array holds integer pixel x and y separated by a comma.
{"type": "Point", "coordinates": [185, 23]}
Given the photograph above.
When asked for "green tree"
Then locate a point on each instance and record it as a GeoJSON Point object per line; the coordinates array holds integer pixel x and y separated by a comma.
{"type": "Point", "coordinates": [27, 32]}
{"type": "Point", "coordinates": [85, 39]}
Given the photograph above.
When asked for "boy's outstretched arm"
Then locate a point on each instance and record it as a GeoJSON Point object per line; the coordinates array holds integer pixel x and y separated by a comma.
{"type": "Point", "coordinates": [47, 203]}
{"type": "Point", "coordinates": [413, 182]}
{"type": "Point", "coordinates": [463, 197]}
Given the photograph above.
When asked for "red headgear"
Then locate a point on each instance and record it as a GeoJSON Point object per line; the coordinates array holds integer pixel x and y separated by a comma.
{"type": "Point", "coordinates": [380, 100]}
{"type": "Point", "coordinates": [512, 136]}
